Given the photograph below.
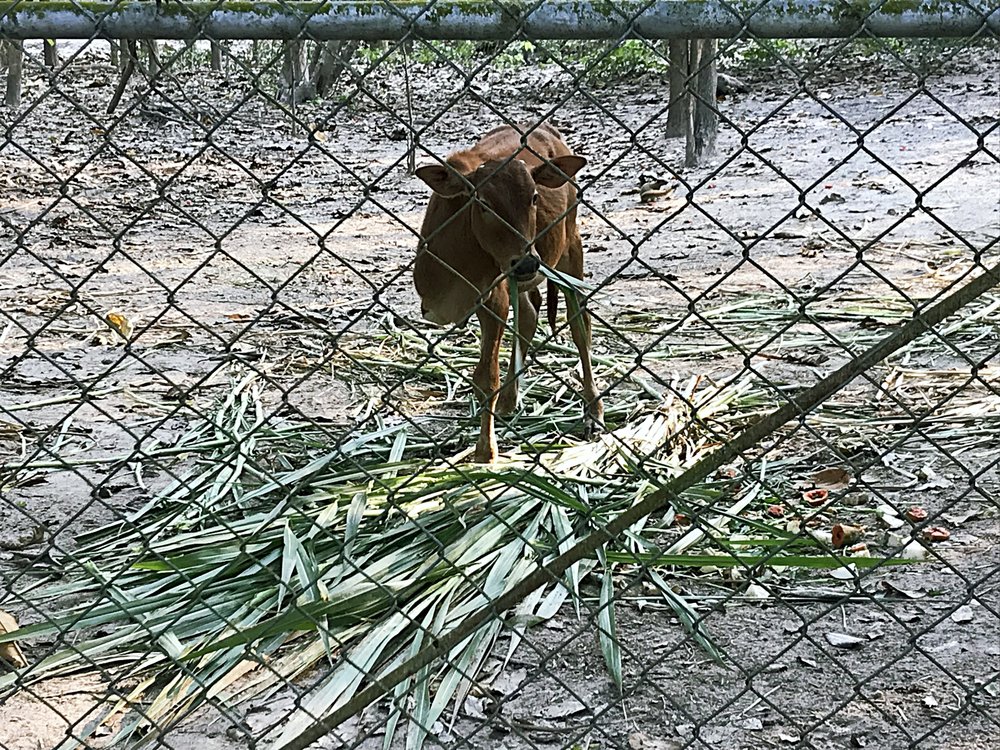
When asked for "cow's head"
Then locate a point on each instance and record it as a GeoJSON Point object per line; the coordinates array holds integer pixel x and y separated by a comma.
{"type": "Point", "coordinates": [504, 200]}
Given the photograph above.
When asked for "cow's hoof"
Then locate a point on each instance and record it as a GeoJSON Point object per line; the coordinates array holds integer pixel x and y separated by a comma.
{"type": "Point", "coordinates": [485, 453]}
{"type": "Point", "coordinates": [593, 420]}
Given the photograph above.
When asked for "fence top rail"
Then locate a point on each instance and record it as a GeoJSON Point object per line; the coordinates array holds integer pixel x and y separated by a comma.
{"type": "Point", "coordinates": [372, 20]}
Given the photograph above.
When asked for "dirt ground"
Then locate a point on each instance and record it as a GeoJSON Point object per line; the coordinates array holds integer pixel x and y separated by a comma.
{"type": "Point", "coordinates": [223, 234]}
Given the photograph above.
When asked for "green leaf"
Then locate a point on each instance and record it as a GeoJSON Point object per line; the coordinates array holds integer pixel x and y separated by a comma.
{"type": "Point", "coordinates": [692, 622]}
{"type": "Point", "coordinates": [827, 562]}
{"type": "Point", "coordinates": [341, 684]}
{"type": "Point", "coordinates": [607, 632]}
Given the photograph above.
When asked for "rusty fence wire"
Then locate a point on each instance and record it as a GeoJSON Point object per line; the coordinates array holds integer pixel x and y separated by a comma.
{"type": "Point", "coordinates": [244, 494]}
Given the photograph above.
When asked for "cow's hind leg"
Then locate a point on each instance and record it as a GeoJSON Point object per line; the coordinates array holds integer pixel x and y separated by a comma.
{"type": "Point", "coordinates": [528, 304]}
{"type": "Point", "coordinates": [593, 405]}
{"type": "Point", "coordinates": [579, 322]}
{"type": "Point", "coordinates": [486, 378]}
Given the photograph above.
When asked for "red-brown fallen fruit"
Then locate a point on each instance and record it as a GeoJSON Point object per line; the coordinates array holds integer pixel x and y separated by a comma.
{"type": "Point", "coordinates": [937, 534]}
{"type": "Point", "coordinates": [844, 534]}
{"type": "Point", "coordinates": [775, 511]}
{"type": "Point", "coordinates": [727, 472]}
{"type": "Point", "coordinates": [916, 514]}
{"type": "Point", "coordinates": [815, 498]}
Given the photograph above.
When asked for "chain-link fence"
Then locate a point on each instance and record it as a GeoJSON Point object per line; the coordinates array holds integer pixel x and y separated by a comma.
{"type": "Point", "coordinates": [275, 470]}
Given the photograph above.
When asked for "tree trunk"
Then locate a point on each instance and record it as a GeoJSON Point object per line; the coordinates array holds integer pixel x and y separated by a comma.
{"type": "Point", "coordinates": [51, 55]}
{"type": "Point", "coordinates": [15, 60]}
{"type": "Point", "coordinates": [680, 98]}
{"type": "Point", "coordinates": [126, 46]}
{"type": "Point", "coordinates": [216, 56]}
{"type": "Point", "coordinates": [115, 63]}
{"type": "Point", "coordinates": [330, 63]}
{"type": "Point", "coordinates": [129, 60]}
{"type": "Point", "coordinates": [314, 55]}
{"type": "Point", "coordinates": [703, 118]}
{"type": "Point", "coordinates": [152, 57]}
{"type": "Point", "coordinates": [294, 86]}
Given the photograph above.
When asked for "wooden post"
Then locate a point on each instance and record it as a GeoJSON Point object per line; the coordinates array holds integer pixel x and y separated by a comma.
{"type": "Point", "coordinates": [15, 61]}
{"type": "Point", "coordinates": [51, 55]}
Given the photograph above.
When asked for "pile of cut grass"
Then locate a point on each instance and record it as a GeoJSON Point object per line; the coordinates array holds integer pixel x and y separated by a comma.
{"type": "Point", "coordinates": [274, 552]}
{"type": "Point", "coordinates": [267, 551]}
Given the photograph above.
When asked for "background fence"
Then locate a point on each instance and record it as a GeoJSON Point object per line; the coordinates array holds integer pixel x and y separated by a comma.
{"type": "Point", "coordinates": [237, 501]}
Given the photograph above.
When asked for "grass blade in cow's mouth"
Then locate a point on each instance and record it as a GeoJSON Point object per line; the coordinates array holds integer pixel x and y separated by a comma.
{"type": "Point", "coordinates": [565, 282]}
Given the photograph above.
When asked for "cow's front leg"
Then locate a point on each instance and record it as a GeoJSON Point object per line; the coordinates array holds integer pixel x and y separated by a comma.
{"type": "Point", "coordinates": [528, 304]}
{"type": "Point", "coordinates": [486, 379]}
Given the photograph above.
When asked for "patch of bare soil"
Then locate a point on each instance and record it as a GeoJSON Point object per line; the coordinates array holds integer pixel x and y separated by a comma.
{"type": "Point", "coordinates": [221, 233]}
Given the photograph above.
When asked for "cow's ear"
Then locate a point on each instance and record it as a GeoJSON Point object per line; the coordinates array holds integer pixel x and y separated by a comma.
{"type": "Point", "coordinates": [557, 170]}
{"type": "Point", "coordinates": [444, 181]}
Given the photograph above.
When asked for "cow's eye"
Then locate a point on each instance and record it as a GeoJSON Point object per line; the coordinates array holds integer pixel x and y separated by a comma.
{"type": "Point", "coordinates": [534, 199]}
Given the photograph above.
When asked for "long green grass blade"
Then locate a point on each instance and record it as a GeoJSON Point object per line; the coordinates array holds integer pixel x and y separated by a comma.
{"type": "Point", "coordinates": [607, 631]}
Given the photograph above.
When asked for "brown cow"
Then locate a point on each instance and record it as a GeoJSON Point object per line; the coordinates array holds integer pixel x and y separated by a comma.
{"type": "Point", "coordinates": [498, 209]}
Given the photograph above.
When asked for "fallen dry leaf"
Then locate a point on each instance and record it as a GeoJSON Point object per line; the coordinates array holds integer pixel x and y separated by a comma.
{"type": "Point", "coordinates": [561, 709]}
{"type": "Point", "coordinates": [846, 573]}
{"type": "Point", "coordinates": [10, 653]}
{"type": "Point", "coordinates": [642, 741]}
{"type": "Point", "coordinates": [893, 590]}
{"type": "Point", "coordinates": [122, 325]}
{"type": "Point", "coordinates": [963, 615]}
{"type": "Point", "coordinates": [957, 519]}
{"type": "Point", "coordinates": [887, 515]}
{"type": "Point", "coordinates": [756, 591]}
{"type": "Point", "coordinates": [843, 640]}
{"type": "Point", "coordinates": [833, 478]}
{"type": "Point", "coordinates": [852, 499]}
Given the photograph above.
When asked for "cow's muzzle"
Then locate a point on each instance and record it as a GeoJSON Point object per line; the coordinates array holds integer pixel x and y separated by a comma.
{"type": "Point", "coordinates": [525, 267]}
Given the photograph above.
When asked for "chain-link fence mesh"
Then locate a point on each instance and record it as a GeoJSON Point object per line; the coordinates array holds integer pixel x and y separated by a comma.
{"type": "Point", "coordinates": [245, 494]}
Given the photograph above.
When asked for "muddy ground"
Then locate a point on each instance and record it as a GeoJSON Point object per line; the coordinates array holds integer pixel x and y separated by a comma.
{"type": "Point", "coordinates": [223, 233]}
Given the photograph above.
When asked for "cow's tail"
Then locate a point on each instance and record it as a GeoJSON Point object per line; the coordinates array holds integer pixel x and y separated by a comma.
{"type": "Point", "coordinates": [551, 304]}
